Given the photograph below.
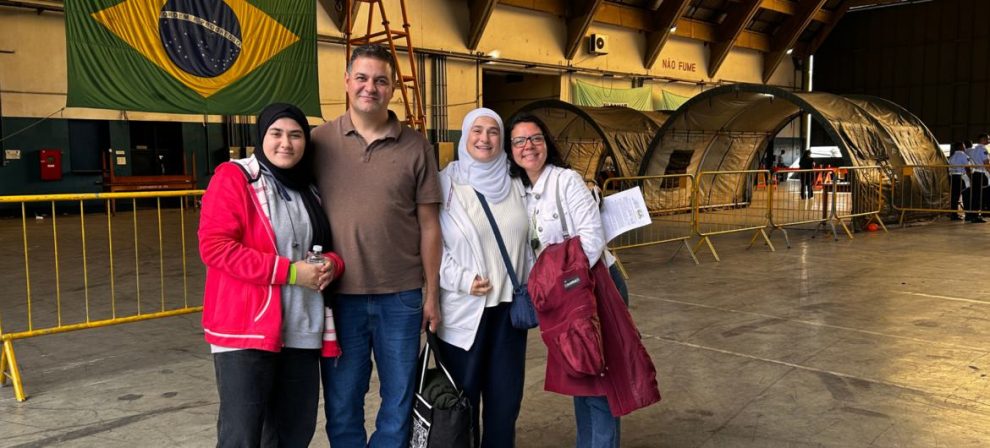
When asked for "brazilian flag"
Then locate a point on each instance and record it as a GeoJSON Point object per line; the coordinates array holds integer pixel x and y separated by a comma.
{"type": "Point", "coordinates": [228, 57]}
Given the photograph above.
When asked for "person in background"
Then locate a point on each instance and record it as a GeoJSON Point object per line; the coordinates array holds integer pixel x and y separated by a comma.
{"type": "Point", "coordinates": [958, 179]}
{"type": "Point", "coordinates": [380, 191]}
{"type": "Point", "coordinates": [606, 172]}
{"type": "Point", "coordinates": [263, 313]}
{"type": "Point", "coordinates": [979, 178]}
{"type": "Point", "coordinates": [484, 352]}
{"type": "Point", "coordinates": [807, 177]}
{"type": "Point", "coordinates": [781, 176]}
{"type": "Point", "coordinates": [536, 161]}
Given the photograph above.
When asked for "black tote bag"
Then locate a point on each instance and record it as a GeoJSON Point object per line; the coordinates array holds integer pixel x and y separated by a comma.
{"type": "Point", "coordinates": [441, 413]}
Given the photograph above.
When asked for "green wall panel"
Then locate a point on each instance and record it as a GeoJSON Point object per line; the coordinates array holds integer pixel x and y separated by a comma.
{"type": "Point", "coordinates": [204, 144]}
{"type": "Point", "coordinates": [23, 176]}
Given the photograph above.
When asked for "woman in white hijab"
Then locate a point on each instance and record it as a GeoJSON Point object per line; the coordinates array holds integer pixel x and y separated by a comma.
{"type": "Point", "coordinates": [483, 351]}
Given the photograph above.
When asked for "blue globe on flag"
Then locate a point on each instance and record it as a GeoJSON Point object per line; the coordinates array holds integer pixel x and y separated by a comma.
{"type": "Point", "coordinates": [201, 37]}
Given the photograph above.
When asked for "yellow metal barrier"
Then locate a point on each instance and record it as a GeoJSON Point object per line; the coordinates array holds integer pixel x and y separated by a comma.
{"type": "Point", "coordinates": [929, 189]}
{"type": "Point", "coordinates": [793, 207]}
{"type": "Point", "coordinates": [55, 302]}
{"type": "Point", "coordinates": [731, 202]}
{"type": "Point", "coordinates": [865, 197]}
{"type": "Point", "coordinates": [669, 200]}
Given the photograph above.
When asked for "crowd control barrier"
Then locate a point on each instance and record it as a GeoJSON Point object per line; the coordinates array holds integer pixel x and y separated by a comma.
{"type": "Point", "coordinates": [730, 202]}
{"type": "Point", "coordinates": [929, 189]}
{"type": "Point", "coordinates": [865, 198]}
{"type": "Point", "coordinates": [794, 205]}
{"type": "Point", "coordinates": [97, 269]}
{"type": "Point", "coordinates": [670, 202]}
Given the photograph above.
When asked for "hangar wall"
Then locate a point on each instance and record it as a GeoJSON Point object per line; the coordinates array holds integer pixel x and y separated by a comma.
{"type": "Point", "coordinates": [33, 81]}
{"type": "Point", "coordinates": [930, 58]}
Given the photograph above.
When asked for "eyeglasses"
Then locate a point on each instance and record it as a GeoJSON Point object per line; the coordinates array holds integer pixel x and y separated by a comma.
{"type": "Point", "coordinates": [535, 139]}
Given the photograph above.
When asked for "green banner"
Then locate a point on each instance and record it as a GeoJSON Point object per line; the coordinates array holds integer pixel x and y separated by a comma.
{"type": "Point", "coordinates": [664, 100]}
{"type": "Point", "coordinates": [228, 57]}
{"type": "Point", "coordinates": [585, 94]}
{"type": "Point", "coordinates": [640, 98]}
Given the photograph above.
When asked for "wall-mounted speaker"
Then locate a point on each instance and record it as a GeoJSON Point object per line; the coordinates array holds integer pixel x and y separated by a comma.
{"type": "Point", "coordinates": [598, 44]}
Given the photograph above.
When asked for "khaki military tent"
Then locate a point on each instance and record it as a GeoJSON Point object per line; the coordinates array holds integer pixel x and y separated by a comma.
{"type": "Point", "coordinates": [727, 128]}
{"type": "Point", "coordinates": [591, 138]}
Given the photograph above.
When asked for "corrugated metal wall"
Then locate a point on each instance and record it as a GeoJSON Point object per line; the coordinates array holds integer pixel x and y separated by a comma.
{"type": "Point", "coordinates": [931, 58]}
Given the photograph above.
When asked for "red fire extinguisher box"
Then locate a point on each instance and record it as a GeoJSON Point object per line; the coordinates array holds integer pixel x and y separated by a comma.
{"type": "Point", "coordinates": [51, 164]}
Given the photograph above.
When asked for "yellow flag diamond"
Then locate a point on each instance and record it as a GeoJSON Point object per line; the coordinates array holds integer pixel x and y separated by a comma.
{"type": "Point", "coordinates": [260, 38]}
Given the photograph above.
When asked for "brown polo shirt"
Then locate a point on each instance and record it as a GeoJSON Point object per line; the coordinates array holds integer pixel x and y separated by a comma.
{"type": "Point", "coordinates": [370, 191]}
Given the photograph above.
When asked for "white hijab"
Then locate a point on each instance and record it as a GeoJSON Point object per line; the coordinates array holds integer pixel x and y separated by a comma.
{"type": "Point", "coordinates": [488, 178]}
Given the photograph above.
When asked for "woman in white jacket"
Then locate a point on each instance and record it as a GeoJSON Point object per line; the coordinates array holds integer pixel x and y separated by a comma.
{"type": "Point", "coordinates": [537, 162]}
{"type": "Point", "coordinates": [484, 352]}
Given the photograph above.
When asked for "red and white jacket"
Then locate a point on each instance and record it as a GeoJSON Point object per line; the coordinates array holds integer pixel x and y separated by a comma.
{"type": "Point", "coordinates": [242, 300]}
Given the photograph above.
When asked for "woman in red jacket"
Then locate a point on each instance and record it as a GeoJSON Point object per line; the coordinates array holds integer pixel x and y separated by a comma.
{"type": "Point", "coordinates": [263, 313]}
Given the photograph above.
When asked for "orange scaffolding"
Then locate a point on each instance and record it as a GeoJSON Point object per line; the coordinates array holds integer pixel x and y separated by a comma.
{"type": "Point", "coordinates": [395, 39]}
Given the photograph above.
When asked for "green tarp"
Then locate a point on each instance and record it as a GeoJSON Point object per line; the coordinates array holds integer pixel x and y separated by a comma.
{"type": "Point", "coordinates": [640, 98]}
{"type": "Point", "coordinates": [585, 94]}
{"type": "Point", "coordinates": [664, 100]}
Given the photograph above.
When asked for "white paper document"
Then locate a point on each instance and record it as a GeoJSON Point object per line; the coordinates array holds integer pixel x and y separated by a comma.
{"type": "Point", "coordinates": [624, 211]}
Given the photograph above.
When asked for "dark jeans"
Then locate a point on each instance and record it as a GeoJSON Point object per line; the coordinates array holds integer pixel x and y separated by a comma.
{"type": "Point", "coordinates": [267, 398]}
{"type": "Point", "coordinates": [807, 184]}
{"type": "Point", "coordinates": [955, 189]}
{"type": "Point", "coordinates": [492, 374]}
{"type": "Point", "coordinates": [388, 327]}
{"type": "Point", "coordinates": [620, 283]}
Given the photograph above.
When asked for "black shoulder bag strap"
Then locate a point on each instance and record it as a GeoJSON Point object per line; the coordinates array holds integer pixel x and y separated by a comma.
{"type": "Point", "coordinates": [498, 238]}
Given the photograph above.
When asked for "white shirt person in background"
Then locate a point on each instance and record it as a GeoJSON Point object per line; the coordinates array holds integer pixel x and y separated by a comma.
{"type": "Point", "coordinates": [980, 176]}
{"type": "Point", "coordinates": [958, 179]}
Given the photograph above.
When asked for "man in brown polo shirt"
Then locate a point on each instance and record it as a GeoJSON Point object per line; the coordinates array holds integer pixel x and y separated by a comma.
{"type": "Point", "coordinates": [378, 181]}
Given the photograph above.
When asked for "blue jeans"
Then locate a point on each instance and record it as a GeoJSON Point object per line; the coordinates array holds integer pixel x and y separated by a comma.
{"type": "Point", "coordinates": [386, 326]}
{"type": "Point", "coordinates": [596, 427]}
{"type": "Point", "coordinates": [807, 184]}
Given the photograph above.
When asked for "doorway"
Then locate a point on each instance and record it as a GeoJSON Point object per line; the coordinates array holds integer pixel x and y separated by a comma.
{"type": "Point", "coordinates": [156, 148]}
{"type": "Point", "coordinates": [506, 92]}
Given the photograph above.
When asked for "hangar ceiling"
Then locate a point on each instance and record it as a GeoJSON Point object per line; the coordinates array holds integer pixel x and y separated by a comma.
{"type": "Point", "coordinates": [777, 28]}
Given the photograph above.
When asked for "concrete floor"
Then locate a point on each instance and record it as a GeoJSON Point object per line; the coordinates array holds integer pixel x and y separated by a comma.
{"type": "Point", "coordinates": [878, 341]}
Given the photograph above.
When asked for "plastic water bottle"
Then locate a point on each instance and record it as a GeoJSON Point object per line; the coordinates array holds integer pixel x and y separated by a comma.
{"type": "Point", "coordinates": [316, 255]}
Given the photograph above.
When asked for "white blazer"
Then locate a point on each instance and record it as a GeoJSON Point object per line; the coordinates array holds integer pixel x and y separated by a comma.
{"type": "Point", "coordinates": [581, 210]}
